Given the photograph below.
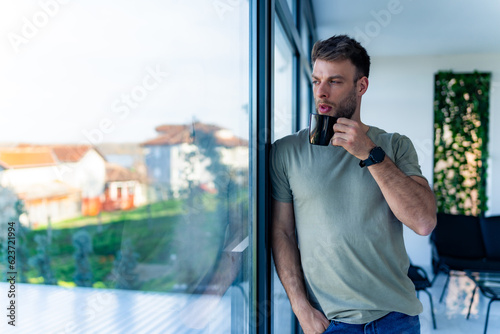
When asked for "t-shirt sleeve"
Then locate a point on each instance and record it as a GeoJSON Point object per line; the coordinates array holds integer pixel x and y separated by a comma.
{"type": "Point", "coordinates": [406, 157]}
{"type": "Point", "coordinates": [278, 172]}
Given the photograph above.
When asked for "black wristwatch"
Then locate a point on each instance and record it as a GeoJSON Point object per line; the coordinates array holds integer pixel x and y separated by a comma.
{"type": "Point", "coordinates": [377, 155]}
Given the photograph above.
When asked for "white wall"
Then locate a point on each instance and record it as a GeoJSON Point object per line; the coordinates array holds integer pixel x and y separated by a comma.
{"type": "Point", "coordinates": [235, 157]}
{"type": "Point", "coordinates": [400, 99]}
{"type": "Point", "coordinates": [91, 173]}
{"type": "Point", "coordinates": [27, 176]}
{"type": "Point", "coordinates": [88, 174]}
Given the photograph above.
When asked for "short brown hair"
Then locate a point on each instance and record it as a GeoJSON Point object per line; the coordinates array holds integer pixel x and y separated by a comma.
{"type": "Point", "coordinates": [341, 47]}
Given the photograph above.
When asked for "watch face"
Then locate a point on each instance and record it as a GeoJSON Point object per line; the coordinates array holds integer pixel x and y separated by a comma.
{"type": "Point", "coordinates": [377, 154]}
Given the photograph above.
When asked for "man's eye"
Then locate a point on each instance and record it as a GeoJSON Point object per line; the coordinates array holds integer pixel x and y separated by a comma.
{"type": "Point", "coordinates": [315, 82]}
{"type": "Point", "coordinates": [334, 82]}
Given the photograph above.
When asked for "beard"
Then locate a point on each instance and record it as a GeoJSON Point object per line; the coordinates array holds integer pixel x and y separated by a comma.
{"type": "Point", "coordinates": [344, 108]}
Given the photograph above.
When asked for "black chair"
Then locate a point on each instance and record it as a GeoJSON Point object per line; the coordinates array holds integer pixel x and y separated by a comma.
{"type": "Point", "coordinates": [490, 227]}
{"type": "Point", "coordinates": [457, 245]}
{"type": "Point", "coordinates": [421, 281]}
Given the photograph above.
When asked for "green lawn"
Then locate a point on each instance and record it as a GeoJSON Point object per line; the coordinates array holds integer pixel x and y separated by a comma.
{"type": "Point", "coordinates": [186, 243]}
{"type": "Point", "coordinates": [160, 209]}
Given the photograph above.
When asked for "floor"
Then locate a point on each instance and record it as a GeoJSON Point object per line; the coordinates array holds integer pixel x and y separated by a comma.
{"type": "Point", "coordinates": [452, 311]}
{"type": "Point", "coordinates": [57, 310]}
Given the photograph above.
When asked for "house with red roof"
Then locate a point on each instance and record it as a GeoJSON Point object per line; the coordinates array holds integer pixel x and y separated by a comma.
{"type": "Point", "coordinates": [172, 159]}
{"type": "Point", "coordinates": [83, 167]}
{"type": "Point", "coordinates": [56, 182]}
{"type": "Point", "coordinates": [124, 189]}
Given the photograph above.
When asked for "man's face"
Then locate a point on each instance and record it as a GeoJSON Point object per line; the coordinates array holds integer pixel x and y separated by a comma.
{"type": "Point", "coordinates": [334, 88]}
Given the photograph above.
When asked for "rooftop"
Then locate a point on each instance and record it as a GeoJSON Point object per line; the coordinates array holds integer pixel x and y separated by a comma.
{"type": "Point", "coordinates": [115, 173]}
{"type": "Point", "coordinates": [184, 134]}
{"type": "Point", "coordinates": [32, 155]}
{"type": "Point", "coordinates": [70, 153]}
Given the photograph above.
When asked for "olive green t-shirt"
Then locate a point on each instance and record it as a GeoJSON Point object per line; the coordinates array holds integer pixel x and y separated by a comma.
{"type": "Point", "coordinates": [351, 245]}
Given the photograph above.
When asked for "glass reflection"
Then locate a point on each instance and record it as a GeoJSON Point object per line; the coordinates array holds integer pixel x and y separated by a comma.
{"type": "Point", "coordinates": [283, 125]}
{"type": "Point", "coordinates": [124, 162]}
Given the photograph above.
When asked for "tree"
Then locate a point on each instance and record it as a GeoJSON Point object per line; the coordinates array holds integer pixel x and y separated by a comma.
{"type": "Point", "coordinates": [21, 244]}
{"type": "Point", "coordinates": [190, 241]}
{"type": "Point", "coordinates": [124, 267]}
{"type": "Point", "coordinates": [8, 214]}
{"type": "Point", "coordinates": [82, 241]}
{"type": "Point", "coordinates": [204, 233]}
{"type": "Point", "coordinates": [41, 261]}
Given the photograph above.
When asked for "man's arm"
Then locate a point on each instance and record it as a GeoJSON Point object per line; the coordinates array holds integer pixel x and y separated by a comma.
{"type": "Point", "coordinates": [287, 260]}
{"type": "Point", "coordinates": [409, 197]}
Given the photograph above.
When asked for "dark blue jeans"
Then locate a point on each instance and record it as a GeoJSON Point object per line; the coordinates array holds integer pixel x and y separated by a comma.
{"type": "Point", "coordinates": [393, 323]}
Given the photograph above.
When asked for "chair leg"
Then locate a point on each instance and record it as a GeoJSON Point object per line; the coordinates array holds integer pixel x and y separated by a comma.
{"type": "Point", "coordinates": [444, 288]}
{"type": "Point", "coordinates": [432, 309]}
{"type": "Point", "coordinates": [434, 278]}
{"type": "Point", "coordinates": [487, 316]}
{"type": "Point", "coordinates": [471, 300]}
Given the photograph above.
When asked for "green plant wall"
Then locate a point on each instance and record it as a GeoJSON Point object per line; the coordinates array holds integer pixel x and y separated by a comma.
{"type": "Point", "coordinates": [461, 113]}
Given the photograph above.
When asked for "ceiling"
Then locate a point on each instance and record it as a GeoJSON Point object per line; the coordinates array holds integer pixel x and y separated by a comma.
{"type": "Point", "coordinates": [413, 27]}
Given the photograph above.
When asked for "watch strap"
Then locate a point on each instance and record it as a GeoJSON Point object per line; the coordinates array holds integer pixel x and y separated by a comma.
{"type": "Point", "coordinates": [376, 156]}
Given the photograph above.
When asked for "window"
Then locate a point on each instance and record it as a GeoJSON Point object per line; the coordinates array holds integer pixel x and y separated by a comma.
{"type": "Point", "coordinates": [141, 80]}
{"type": "Point", "coordinates": [305, 36]}
{"type": "Point", "coordinates": [292, 104]}
{"type": "Point", "coordinates": [291, 5]}
{"type": "Point", "coordinates": [164, 102]}
{"type": "Point", "coordinates": [283, 84]}
{"type": "Point", "coordinates": [283, 125]}
{"type": "Point", "coordinates": [305, 104]}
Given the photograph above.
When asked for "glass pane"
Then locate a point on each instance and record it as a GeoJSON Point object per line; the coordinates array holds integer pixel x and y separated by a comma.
{"type": "Point", "coordinates": [283, 125]}
{"type": "Point", "coordinates": [124, 155]}
{"type": "Point", "coordinates": [305, 37]}
{"type": "Point", "coordinates": [283, 84]}
{"type": "Point", "coordinates": [305, 92]}
{"type": "Point", "coordinates": [291, 5]}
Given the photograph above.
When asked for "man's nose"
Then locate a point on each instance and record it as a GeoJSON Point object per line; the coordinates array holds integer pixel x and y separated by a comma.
{"type": "Point", "coordinates": [321, 91]}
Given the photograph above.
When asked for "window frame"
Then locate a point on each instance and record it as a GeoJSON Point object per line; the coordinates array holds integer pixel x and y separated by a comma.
{"type": "Point", "coordinates": [263, 14]}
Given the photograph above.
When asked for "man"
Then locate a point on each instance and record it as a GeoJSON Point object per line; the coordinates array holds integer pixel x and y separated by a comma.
{"type": "Point", "coordinates": [350, 274]}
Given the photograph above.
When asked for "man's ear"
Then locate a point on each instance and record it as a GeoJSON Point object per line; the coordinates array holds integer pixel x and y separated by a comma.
{"type": "Point", "coordinates": [362, 85]}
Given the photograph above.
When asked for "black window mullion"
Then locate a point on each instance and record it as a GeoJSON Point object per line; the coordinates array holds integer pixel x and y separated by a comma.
{"type": "Point", "coordinates": [262, 96]}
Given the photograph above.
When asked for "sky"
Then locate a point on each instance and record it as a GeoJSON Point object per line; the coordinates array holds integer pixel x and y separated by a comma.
{"type": "Point", "coordinates": [93, 71]}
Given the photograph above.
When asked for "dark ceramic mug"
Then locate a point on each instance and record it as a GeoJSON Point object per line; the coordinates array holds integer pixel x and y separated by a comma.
{"type": "Point", "coordinates": [321, 129]}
